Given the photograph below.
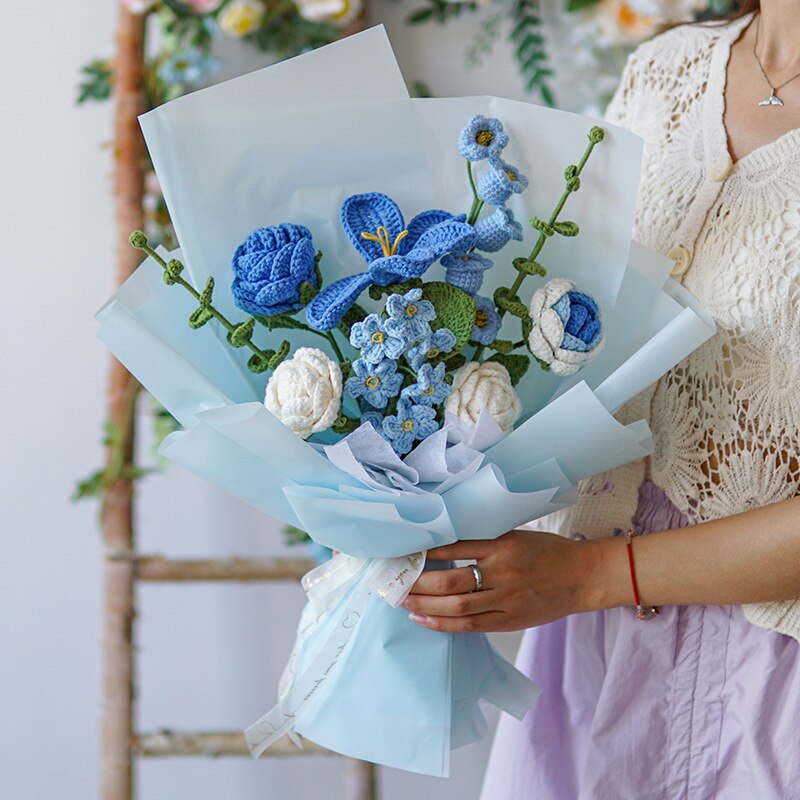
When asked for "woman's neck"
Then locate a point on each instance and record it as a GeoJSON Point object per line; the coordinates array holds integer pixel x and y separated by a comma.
{"type": "Point", "coordinates": [779, 35]}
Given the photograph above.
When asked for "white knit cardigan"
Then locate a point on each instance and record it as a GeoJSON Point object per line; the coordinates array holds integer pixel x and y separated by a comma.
{"type": "Point", "coordinates": [726, 421]}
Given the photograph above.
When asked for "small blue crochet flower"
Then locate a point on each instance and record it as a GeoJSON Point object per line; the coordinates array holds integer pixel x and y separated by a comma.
{"type": "Point", "coordinates": [376, 383]}
{"type": "Point", "coordinates": [269, 267]}
{"type": "Point", "coordinates": [440, 341]}
{"type": "Point", "coordinates": [499, 182]}
{"type": "Point", "coordinates": [375, 418]}
{"type": "Point", "coordinates": [487, 321]}
{"type": "Point", "coordinates": [465, 270]}
{"type": "Point", "coordinates": [411, 422]}
{"type": "Point", "coordinates": [190, 66]}
{"type": "Point", "coordinates": [497, 230]}
{"type": "Point", "coordinates": [375, 342]}
{"type": "Point", "coordinates": [409, 315]}
{"type": "Point", "coordinates": [394, 251]}
{"type": "Point", "coordinates": [483, 137]}
{"type": "Point", "coordinates": [430, 388]}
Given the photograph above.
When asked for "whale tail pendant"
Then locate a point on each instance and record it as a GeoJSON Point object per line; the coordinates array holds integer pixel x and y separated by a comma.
{"type": "Point", "coordinates": [772, 100]}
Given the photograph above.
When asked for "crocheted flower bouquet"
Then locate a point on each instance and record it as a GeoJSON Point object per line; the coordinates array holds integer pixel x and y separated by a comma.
{"type": "Point", "coordinates": [425, 385]}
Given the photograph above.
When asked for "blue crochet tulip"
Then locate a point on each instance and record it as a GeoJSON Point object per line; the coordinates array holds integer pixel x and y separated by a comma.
{"type": "Point", "coordinates": [410, 423]}
{"type": "Point", "coordinates": [431, 389]}
{"type": "Point", "coordinates": [409, 315]}
{"type": "Point", "coordinates": [497, 230]}
{"type": "Point", "coordinates": [270, 266]}
{"type": "Point", "coordinates": [482, 138]}
{"type": "Point", "coordinates": [432, 346]}
{"type": "Point", "coordinates": [376, 383]}
{"type": "Point", "coordinates": [499, 182]}
{"type": "Point", "coordinates": [375, 342]}
{"type": "Point", "coordinates": [465, 270]}
{"type": "Point", "coordinates": [487, 321]}
{"type": "Point", "coordinates": [394, 251]}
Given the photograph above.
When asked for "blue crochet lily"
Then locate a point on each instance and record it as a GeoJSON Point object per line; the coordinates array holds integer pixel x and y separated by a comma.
{"type": "Point", "coordinates": [376, 383]}
{"type": "Point", "coordinates": [394, 251]}
{"type": "Point", "coordinates": [410, 423]}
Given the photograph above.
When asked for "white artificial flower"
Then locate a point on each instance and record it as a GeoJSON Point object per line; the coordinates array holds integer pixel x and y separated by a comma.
{"type": "Point", "coordinates": [551, 309]}
{"type": "Point", "coordinates": [305, 392]}
{"type": "Point", "coordinates": [487, 385]}
{"type": "Point", "coordinates": [241, 17]}
{"type": "Point", "coordinates": [139, 6]}
{"type": "Point", "coordinates": [619, 23]}
{"type": "Point", "coordinates": [339, 13]}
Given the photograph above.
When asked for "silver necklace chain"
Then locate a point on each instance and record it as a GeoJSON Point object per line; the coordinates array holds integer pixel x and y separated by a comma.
{"type": "Point", "coordinates": [773, 99]}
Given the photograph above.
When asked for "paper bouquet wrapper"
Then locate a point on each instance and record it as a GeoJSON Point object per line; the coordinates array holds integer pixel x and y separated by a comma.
{"type": "Point", "coordinates": [289, 143]}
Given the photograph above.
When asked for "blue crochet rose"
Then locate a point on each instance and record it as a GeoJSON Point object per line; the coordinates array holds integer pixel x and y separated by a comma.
{"type": "Point", "coordinates": [269, 267]}
{"type": "Point", "coordinates": [499, 182]}
{"type": "Point", "coordinates": [375, 342]}
{"type": "Point", "coordinates": [482, 138]}
{"type": "Point", "coordinates": [393, 251]}
{"type": "Point", "coordinates": [497, 230]}
{"type": "Point", "coordinates": [409, 315]}
{"type": "Point", "coordinates": [487, 321]}
{"type": "Point", "coordinates": [376, 383]}
{"type": "Point", "coordinates": [430, 388]}
{"type": "Point", "coordinates": [465, 270]}
{"type": "Point", "coordinates": [410, 423]}
{"type": "Point", "coordinates": [432, 346]}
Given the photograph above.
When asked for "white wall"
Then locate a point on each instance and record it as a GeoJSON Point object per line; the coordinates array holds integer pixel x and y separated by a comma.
{"type": "Point", "coordinates": [209, 656]}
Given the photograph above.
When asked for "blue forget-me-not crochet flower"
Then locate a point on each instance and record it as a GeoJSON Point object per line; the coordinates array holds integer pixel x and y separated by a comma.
{"type": "Point", "coordinates": [411, 422]}
{"type": "Point", "coordinates": [376, 383]}
{"type": "Point", "coordinates": [432, 346]}
{"type": "Point", "coordinates": [430, 388]}
{"type": "Point", "coordinates": [499, 182]}
{"type": "Point", "coordinates": [487, 321]}
{"type": "Point", "coordinates": [374, 417]}
{"type": "Point", "coordinates": [269, 267]}
{"type": "Point", "coordinates": [375, 342]}
{"type": "Point", "coordinates": [496, 231]}
{"type": "Point", "coordinates": [482, 138]}
{"type": "Point", "coordinates": [394, 251]}
{"type": "Point", "coordinates": [465, 270]}
{"type": "Point", "coordinates": [409, 315]}
{"type": "Point", "coordinates": [191, 66]}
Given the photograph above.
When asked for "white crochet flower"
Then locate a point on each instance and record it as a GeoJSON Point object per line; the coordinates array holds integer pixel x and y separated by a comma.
{"type": "Point", "coordinates": [305, 392]}
{"type": "Point", "coordinates": [339, 13]}
{"type": "Point", "coordinates": [241, 17]}
{"type": "Point", "coordinates": [487, 385]}
{"type": "Point", "coordinates": [551, 310]}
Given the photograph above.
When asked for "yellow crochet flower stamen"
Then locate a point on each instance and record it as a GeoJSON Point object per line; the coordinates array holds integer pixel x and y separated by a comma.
{"type": "Point", "coordinates": [484, 138]}
{"type": "Point", "coordinates": [377, 337]}
{"type": "Point", "coordinates": [382, 238]}
{"type": "Point", "coordinates": [481, 318]}
{"type": "Point", "coordinates": [432, 353]}
{"type": "Point", "coordinates": [373, 382]}
{"type": "Point", "coordinates": [407, 425]}
{"type": "Point", "coordinates": [511, 176]}
{"type": "Point", "coordinates": [429, 390]}
{"type": "Point", "coordinates": [411, 310]}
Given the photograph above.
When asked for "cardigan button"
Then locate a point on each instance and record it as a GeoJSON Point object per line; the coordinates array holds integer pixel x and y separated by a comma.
{"type": "Point", "coordinates": [721, 169]}
{"type": "Point", "coordinates": [681, 256]}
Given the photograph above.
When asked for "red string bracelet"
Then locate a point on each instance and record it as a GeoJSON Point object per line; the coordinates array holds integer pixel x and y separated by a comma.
{"type": "Point", "coordinates": [642, 612]}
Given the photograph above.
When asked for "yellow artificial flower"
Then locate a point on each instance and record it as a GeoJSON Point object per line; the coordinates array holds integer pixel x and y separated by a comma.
{"type": "Point", "coordinates": [241, 17]}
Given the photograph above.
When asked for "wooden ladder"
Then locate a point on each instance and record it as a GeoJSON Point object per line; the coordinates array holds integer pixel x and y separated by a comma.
{"type": "Point", "coordinates": [123, 567]}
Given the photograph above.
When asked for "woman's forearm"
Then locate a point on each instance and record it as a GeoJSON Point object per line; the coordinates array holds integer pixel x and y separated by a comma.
{"type": "Point", "coordinates": [748, 558]}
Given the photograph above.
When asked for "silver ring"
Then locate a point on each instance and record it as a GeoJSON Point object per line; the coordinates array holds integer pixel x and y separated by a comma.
{"type": "Point", "coordinates": [478, 578]}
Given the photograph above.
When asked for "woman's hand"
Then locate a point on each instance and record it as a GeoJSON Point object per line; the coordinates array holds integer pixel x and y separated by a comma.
{"type": "Point", "coordinates": [529, 578]}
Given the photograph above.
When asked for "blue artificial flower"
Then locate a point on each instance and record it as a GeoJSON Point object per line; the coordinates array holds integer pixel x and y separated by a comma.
{"type": "Point", "coordinates": [465, 270]}
{"type": "Point", "coordinates": [440, 341]}
{"type": "Point", "coordinates": [394, 251]}
{"type": "Point", "coordinates": [499, 182]}
{"type": "Point", "coordinates": [375, 418]}
{"type": "Point", "coordinates": [270, 266]}
{"type": "Point", "coordinates": [409, 315]}
{"type": "Point", "coordinates": [191, 66]}
{"type": "Point", "coordinates": [487, 321]}
{"type": "Point", "coordinates": [375, 342]}
{"type": "Point", "coordinates": [430, 388]}
{"type": "Point", "coordinates": [496, 231]}
{"type": "Point", "coordinates": [411, 422]}
{"type": "Point", "coordinates": [580, 315]}
{"type": "Point", "coordinates": [376, 383]}
{"type": "Point", "coordinates": [483, 137]}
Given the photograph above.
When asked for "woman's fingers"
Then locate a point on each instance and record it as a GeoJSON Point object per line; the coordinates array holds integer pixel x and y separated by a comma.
{"type": "Point", "coordinates": [455, 605]}
{"type": "Point", "coordinates": [448, 581]}
{"type": "Point", "coordinates": [474, 623]}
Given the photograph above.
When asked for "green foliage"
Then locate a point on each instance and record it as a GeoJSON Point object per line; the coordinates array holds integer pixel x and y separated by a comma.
{"type": "Point", "coordinates": [281, 321]}
{"type": "Point", "coordinates": [530, 52]}
{"type": "Point", "coordinates": [483, 41]}
{"type": "Point", "coordinates": [353, 314]}
{"type": "Point", "coordinates": [295, 536]}
{"type": "Point", "coordinates": [566, 228]}
{"type": "Point", "coordinates": [96, 81]}
{"type": "Point", "coordinates": [516, 364]}
{"type": "Point", "coordinates": [420, 89]}
{"type": "Point", "coordinates": [580, 5]}
{"type": "Point", "coordinates": [440, 11]}
{"type": "Point", "coordinates": [455, 310]}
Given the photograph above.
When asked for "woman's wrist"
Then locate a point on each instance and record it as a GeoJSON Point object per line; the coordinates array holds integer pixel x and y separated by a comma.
{"type": "Point", "coordinates": [607, 582]}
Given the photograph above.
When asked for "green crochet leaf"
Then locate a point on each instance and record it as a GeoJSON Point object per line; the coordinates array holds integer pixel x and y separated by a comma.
{"type": "Point", "coordinates": [258, 363]}
{"type": "Point", "coordinates": [509, 303]}
{"type": "Point", "coordinates": [307, 292]}
{"type": "Point", "coordinates": [353, 314]}
{"type": "Point", "coordinates": [281, 321]}
{"type": "Point", "coordinates": [455, 362]}
{"type": "Point", "coordinates": [566, 228]}
{"type": "Point", "coordinates": [377, 292]}
{"type": "Point", "coordinates": [199, 317]}
{"type": "Point", "coordinates": [502, 345]}
{"type": "Point", "coordinates": [242, 333]}
{"type": "Point", "coordinates": [344, 424]}
{"type": "Point", "coordinates": [516, 364]}
{"type": "Point", "coordinates": [455, 310]}
{"type": "Point", "coordinates": [529, 267]}
{"type": "Point", "coordinates": [205, 295]}
{"type": "Point", "coordinates": [279, 355]}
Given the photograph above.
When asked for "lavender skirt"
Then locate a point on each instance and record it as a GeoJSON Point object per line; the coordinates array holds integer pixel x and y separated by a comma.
{"type": "Point", "coordinates": [694, 704]}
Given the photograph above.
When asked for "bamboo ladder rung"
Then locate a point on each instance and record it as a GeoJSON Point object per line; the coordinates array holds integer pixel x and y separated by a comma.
{"type": "Point", "coordinates": [159, 569]}
{"type": "Point", "coordinates": [168, 743]}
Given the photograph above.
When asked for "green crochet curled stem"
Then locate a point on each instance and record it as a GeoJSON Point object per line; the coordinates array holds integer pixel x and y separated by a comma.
{"type": "Point", "coordinates": [507, 298]}
{"type": "Point", "coordinates": [239, 334]}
